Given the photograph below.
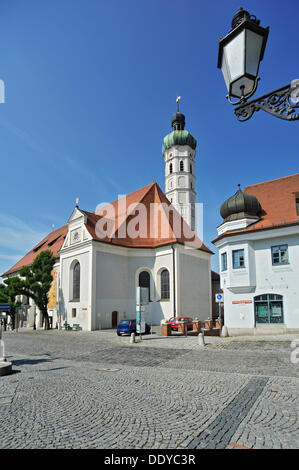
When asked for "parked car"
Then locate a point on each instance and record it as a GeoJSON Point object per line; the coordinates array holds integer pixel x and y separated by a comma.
{"type": "Point", "coordinates": [126, 327]}
{"type": "Point", "coordinates": [175, 320]}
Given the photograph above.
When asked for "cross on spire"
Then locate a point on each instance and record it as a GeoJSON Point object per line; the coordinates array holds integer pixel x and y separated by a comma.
{"type": "Point", "coordinates": [178, 99]}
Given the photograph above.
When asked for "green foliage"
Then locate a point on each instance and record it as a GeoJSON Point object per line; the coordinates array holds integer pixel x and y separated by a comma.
{"type": "Point", "coordinates": [8, 294]}
{"type": "Point", "coordinates": [36, 281]}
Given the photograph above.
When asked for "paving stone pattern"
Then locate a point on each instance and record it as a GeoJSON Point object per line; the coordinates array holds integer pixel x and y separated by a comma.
{"type": "Point", "coordinates": [95, 390]}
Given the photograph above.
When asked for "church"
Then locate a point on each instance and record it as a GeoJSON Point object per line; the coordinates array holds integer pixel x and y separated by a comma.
{"type": "Point", "coordinates": [146, 238]}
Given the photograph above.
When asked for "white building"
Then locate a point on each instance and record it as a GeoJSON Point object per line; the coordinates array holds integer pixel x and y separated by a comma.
{"type": "Point", "coordinates": [138, 240]}
{"type": "Point", "coordinates": [258, 245]}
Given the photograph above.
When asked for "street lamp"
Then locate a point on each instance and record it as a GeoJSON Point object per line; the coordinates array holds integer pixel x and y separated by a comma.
{"type": "Point", "coordinates": [239, 57]}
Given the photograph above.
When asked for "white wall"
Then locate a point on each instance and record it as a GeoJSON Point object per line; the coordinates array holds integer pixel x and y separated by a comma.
{"type": "Point", "coordinates": [195, 284]}
{"type": "Point", "coordinates": [66, 304]}
{"type": "Point", "coordinates": [260, 276]}
{"type": "Point", "coordinates": [117, 274]}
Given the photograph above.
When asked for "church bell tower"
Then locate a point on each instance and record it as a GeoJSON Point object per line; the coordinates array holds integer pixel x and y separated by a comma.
{"type": "Point", "coordinates": [179, 156]}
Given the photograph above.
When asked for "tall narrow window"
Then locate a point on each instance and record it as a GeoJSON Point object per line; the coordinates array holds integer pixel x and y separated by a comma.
{"type": "Point", "coordinates": [181, 165]}
{"type": "Point", "coordinates": [76, 281]}
{"type": "Point", "coordinates": [145, 281]}
{"type": "Point", "coordinates": [165, 290]}
{"type": "Point", "coordinates": [170, 168]}
{"type": "Point", "coordinates": [238, 259]}
{"type": "Point", "coordinates": [223, 261]}
{"type": "Point", "coordinates": [297, 205]}
{"type": "Point", "coordinates": [191, 169]}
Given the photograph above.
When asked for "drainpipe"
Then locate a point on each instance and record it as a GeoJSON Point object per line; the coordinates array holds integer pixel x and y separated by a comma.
{"type": "Point", "coordinates": [173, 276]}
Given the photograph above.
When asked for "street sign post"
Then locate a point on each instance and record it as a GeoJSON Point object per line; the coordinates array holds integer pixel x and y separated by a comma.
{"type": "Point", "coordinates": [141, 301]}
{"type": "Point", "coordinates": [219, 300]}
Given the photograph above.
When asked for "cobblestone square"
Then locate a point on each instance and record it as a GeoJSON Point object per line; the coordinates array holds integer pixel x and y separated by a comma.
{"type": "Point", "coordinates": [96, 390]}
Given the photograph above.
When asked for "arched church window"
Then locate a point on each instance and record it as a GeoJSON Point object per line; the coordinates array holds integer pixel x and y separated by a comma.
{"type": "Point", "coordinates": [76, 281]}
{"type": "Point", "coordinates": [145, 281]}
{"type": "Point", "coordinates": [170, 168]}
{"type": "Point", "coordinates": [165, 287]}
{"type": "Point", "coordinates": [181, 165]}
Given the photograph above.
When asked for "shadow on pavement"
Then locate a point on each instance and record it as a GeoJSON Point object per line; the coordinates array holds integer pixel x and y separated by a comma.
{"type": "Point", "coordinates": [21, 362]}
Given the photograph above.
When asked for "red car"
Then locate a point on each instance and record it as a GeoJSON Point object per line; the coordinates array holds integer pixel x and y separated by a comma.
{"type": "Point", "coordinates": [174, 322]}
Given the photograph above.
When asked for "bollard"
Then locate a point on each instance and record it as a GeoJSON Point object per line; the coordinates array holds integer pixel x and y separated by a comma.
{"type": "Point", "coordinates": [132, 338]}
{"type": "Point", "coordinates": [224, 332]}
{"type": "Point", "coordinates": [201, 340]}
{"type": "Point", "coordinates": [3, 358]}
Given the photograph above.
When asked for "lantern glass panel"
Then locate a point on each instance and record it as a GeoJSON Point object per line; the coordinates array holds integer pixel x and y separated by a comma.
{"type": "Point", "coordinates": [254, 43]}
{"type": "Point", "coordinates": [224, 69]}
{"type": "Point", "coordinates": [234, 53]}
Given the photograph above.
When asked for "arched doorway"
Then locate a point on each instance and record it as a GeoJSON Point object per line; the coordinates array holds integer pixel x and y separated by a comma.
{"type": "Point", "coordinates": [268, 308]}
{"type": "Point", "coordinates": [114, 319]}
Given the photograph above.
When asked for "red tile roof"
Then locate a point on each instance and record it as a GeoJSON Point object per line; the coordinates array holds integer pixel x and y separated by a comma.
{"type": "Point", "coordinates": [167, 230]}
{"type": "Point", "coordinates": [159, 230]}
{"type": "Point", "coordinates": [278, 202]}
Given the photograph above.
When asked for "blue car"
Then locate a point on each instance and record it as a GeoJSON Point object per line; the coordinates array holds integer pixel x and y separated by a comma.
{"type": "Point", "coordinates": [126, 327]}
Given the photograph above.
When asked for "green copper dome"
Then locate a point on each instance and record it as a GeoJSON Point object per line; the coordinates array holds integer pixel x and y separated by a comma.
{"type": "Point", "coordinates": [181, 137]}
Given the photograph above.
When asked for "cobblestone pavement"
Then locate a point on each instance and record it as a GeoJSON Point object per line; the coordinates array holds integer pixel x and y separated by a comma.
{"type": "Point", "coordinates": [96, 390]}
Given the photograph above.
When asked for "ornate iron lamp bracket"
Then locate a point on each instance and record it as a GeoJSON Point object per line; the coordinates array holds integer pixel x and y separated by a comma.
{"type": "Point", "coordinates": [280, 103]}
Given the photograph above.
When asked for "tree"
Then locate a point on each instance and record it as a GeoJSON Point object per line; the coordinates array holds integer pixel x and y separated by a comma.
{"type": "Point", "coordinates": [8, 295]}
{"type": "Point", "coordinates": [36, 281]}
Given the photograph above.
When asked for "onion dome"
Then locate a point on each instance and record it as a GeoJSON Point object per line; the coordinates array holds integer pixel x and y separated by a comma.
{"type": "Point", "coordinates": [179, 136]}
{"type": "Point", "coordinates": [239, 206]}
{"type": "Point", "coordinates": [178, 121]}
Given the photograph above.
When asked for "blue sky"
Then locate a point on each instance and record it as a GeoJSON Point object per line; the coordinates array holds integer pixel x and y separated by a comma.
{"type": "Point", "coordinates": [90, 90]}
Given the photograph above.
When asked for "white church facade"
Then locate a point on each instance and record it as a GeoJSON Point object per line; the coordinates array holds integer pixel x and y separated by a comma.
{"type": "Point", "coordinates": [138, 240]}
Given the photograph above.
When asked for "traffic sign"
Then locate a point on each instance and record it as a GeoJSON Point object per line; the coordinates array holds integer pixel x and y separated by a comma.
{"type": "Point", "coordinates": [4, 307]}
{"type": "Point", "coordinates": [219, 298]}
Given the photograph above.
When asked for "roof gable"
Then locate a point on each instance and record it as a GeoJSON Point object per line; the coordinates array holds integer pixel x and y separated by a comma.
{"type": "Point", "coordinates": [145, 218]}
